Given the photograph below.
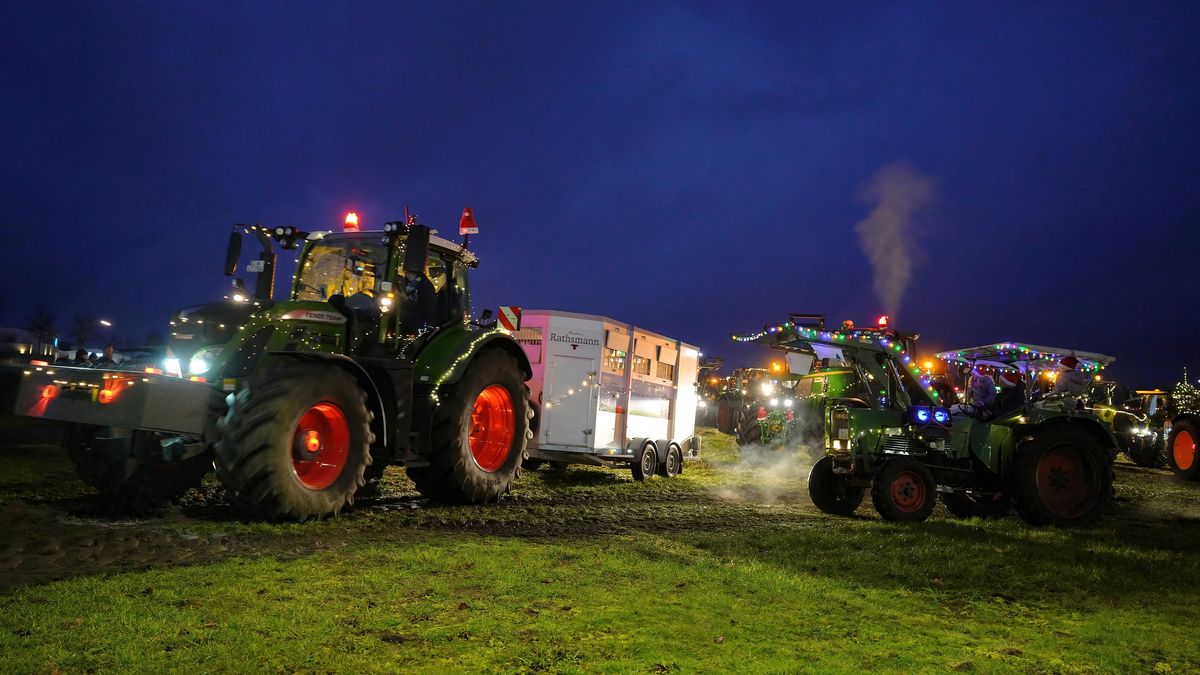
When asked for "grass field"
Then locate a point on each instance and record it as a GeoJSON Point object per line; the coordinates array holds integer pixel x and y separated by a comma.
{"type": "Point", "coordinates": [728, 567]}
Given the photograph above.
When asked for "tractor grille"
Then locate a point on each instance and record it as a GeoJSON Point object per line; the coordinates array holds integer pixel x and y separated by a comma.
{"type": "Point", "coordinates": [902, 445]}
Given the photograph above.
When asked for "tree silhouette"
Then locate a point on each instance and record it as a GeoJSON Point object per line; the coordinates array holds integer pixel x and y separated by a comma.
{"type": "Point", "coordinates": [41, 324]}
{"type": "Point", "coordinates": [82, 328]}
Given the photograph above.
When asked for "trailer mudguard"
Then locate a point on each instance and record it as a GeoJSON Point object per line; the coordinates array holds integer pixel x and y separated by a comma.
{"type": "Point", "coordinates": [444, 360]}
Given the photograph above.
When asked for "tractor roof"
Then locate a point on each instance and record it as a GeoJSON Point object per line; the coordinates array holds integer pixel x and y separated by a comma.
{"type": "Point", "coordinates": [435, 241]}
{"type": "Point", "coordinates": [1022, 356]}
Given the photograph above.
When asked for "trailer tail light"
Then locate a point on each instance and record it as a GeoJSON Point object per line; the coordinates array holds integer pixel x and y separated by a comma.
{"type": "Point", "coordinates": [106, 395]}
{"type": "Point", "coordinates": [50, 391]}
{"type": "Point", "coordinates": [197, 378]}
{"type": "Point", "coordinates": [154, 371]}
{"type": "Point", "coordinates": [351, 224]}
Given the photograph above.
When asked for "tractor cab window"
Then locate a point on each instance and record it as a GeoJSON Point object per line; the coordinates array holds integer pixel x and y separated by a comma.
{"type": "Point", "coordinates": [347, 267]}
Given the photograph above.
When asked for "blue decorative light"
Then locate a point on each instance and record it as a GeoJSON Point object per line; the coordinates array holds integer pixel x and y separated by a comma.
{"type": "Point", "coordinates": [922, 415]}
{"type": "Point", "coordinates": [941, 415]}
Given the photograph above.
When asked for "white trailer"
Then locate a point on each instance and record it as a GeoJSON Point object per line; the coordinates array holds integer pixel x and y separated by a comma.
{"type": "Point", "coordinates": [609, 393]}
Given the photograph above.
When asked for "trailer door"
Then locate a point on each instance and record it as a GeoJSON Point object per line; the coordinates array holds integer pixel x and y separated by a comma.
{"type": "Point", "coordinates": [571, 419]}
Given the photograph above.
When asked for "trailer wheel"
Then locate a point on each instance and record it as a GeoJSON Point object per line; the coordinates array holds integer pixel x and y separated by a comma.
{"type": "Point", "coordinates": [903, 490]}
{"type": "Point", "coordinates": [480, 428]}
{"type": "Point", "coordinates": [672, 463]}
{"type": "Point", "coordinates": [128, 465]}
{"type": "Point", "coordinates": [1182, 456]}
{"type": "Point", "coordinates": [963, 505]}
{"type": "Point", "coordinates": [829, 491]}
{"type": "Point", "coordinates": [645, 461]}
{"type": "Point", "coordinates": [296, 442]}
{"type": "Point", "coordinates": [1063, 477]}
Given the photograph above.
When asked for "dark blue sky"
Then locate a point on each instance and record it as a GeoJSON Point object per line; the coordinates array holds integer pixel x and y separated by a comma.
{"type": "Point", "coordinates": [696, 168]}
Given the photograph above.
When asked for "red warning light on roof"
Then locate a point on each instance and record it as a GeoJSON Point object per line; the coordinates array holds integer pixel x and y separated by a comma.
{"type": "Point", "coordinates": [466, 225]}
{"type": "Point", "coordinates": [351, 222]}
{"type": "Point", "coordinates": [882, 322]}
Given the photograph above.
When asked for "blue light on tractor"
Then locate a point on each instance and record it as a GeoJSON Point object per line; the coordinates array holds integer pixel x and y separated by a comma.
{"type": "Point", "coordinates": [941, 415]}
{"type": "Point", "coordinates": [922, 415]}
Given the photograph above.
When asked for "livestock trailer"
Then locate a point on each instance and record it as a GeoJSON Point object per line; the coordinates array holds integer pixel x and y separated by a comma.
{"type": "Point", "coordinates": [609, 393]}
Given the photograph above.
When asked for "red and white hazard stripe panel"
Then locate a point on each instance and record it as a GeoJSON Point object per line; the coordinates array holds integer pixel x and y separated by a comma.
{"type": "Point", "coordinates": [510, 318]}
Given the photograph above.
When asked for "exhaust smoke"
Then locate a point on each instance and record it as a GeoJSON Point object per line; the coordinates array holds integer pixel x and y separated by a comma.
{"type": "Point", "coordinates": [898, 193]}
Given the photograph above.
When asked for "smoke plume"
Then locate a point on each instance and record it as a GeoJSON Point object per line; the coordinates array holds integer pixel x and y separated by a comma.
{"type": "Point", "coordinates": [766, 475]}
{"type": "Point", "coordinates": [897, 194]}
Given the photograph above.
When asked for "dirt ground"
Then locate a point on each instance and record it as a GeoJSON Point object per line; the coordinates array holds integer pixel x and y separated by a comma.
{"type": "Point", "coordinates": [54, 526]}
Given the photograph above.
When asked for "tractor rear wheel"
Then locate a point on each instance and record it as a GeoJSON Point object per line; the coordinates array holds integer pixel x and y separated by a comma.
{"type": "Point", "coordinates": [903, 490]}
{"type": "Point", "coordinates": [749, 429]}
{"type": "Point", "coordinates": [128, 465]}
{"type": "Point", "coordinates": [296, 442]}
{"type": "Point", "coordinates": [1182, 455]}
{"type": "Point", "coordinates": [1145, 452]}
{"type": "Point", "coordinates": [963, 505]}
{"type": "Point", "coordinates": [480, 428]}
{"type": "Point", "coordinates": [1063, 477]}
{"type": "Point", "coordinates": [829, 491]}
{"type": "Point", "coordinates": [726, 416]}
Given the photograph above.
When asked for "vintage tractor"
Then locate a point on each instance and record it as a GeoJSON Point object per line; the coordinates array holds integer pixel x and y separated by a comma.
{"type": "Point", "coordinates": [897, 440]}
{"type": "Point", "coordinates": [373, 359]}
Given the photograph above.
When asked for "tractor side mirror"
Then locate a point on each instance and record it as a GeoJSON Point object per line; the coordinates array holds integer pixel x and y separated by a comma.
{"type": "Point", "coordinates": [415, 250]}
{"type": "Point", "coordinates": [233, 252]}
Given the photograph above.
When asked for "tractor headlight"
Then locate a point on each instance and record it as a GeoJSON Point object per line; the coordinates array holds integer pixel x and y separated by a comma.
{"type": "Point", "coordinates": [701, 404]}
{"type": "Point", "coordinates": [922, 415]}
{"type": "Point", "coordinates": [767, 388]}
{"type": "Point", "coordinates": [787, 403]}
{"type": "Point", "coordinates": [202, 361]}
{"type": "Point", "coordinates": [198, 365]}
{"type": "Point", "coordinates": [172, 367]}
{"type": "Point", "coordinates": [941, 415]}
{"type": "Point", "coordinates": [774, 403]}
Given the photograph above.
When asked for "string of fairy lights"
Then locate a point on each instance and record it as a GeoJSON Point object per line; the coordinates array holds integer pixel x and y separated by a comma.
{"type": "Point", "coordinates": [861, 336]}
{"type": "Point", "coordinates": [585, 385]}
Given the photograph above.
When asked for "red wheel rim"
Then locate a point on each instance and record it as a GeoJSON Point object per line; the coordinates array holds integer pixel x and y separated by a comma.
{"type": "Point", "coordinates": [1063, 482]}
{"type": "Point", "coordinates": [908, 491]}
{"type": "Point", "coordinates": [1184, 450]}
{"type": "Point", "coordinates": [320, 446]}
{"type": "Point", "coordinates": [492, 428]}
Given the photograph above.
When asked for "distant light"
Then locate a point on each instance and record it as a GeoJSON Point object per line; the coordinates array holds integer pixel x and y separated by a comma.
{"type": "Point", "coordinates": [351, 222]}
{"type": "Point", "coordinates": [928, 365]}
{"type": "Point", "coordinates": [105, 322]}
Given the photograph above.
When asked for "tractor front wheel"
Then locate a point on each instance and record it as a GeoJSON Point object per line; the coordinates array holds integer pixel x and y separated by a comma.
{"type": "Point", "coordinates": [1063, 477]}
{"type": "Point", "coordinates": [128, 465]}
{"type": "Point", "coordinates": [726, 420]}
{"type": "Point", "coordinates": [903, 490]}
{"type": "Point", "coordinates": [1182, 455]}
{"type": "Point", "coordinates": [296, 442]}
{"type": "Point", "coordinates": [829, 491]}
{"type": "Point", "coordinates": [749, 429]}
{"type": "Point", "coordinates": [480, 428]}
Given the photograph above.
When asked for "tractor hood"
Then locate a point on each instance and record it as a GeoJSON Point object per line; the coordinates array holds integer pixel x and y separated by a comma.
{"type": "Point", "coordinates": [215, 323]}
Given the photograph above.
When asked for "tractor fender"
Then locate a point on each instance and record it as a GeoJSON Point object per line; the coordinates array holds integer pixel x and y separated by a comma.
{"type": "Point", "coordinates": [444, 360]}
{"type": "Point", "coordinates": [374, 400]}
{"type": "Point", "coordinates": [1100, 432]}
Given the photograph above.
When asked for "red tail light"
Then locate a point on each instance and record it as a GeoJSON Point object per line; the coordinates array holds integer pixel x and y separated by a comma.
{"type": "Point", "coordinates": [106, 396]}
{"type": "Point", "coordinates": [50, 391]}
{"type": "Point", "coordinates": [38, 363]}
{"type": "Point", "coordinates": [155, 371]}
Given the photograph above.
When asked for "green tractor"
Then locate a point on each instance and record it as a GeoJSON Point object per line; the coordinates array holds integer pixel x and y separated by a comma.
{"type": "Point", "coordinates": [740, 390]}
{"type": "Point", "coordinates": [892, 435]}
{"type": "Point", "coordinates": [372, 360]}
{"type": "Point", "coordinates": [1181, 453]}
